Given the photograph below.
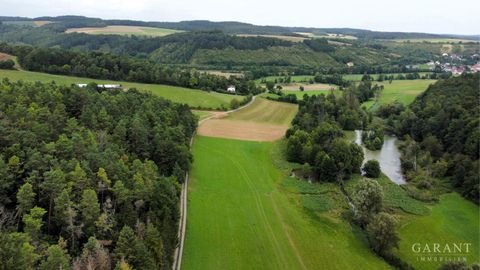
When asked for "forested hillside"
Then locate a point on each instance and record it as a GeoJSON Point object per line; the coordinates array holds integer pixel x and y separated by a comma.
{"type": "Point", "coordinates": [114, 67]}
{"type": "Point", "coordinates": [217, 48]}
{"type": "Point", "coordinates": [442, 131]}
{"type": "Point", "coordinates": [89, 178]}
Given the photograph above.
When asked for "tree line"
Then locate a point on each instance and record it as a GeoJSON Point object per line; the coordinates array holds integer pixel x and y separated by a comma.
{"type": "Point", "coordinates": [316, 138]}
{"type": "Point", "coordinates": [441, 134]}
{"type": "Point", "coordinates": [115, 67]}
{"type": "Point", "coordinates": [89, 179]}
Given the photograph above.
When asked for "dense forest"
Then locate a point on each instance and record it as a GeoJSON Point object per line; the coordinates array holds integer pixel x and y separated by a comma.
{"type": "Point", "coordinates": [316, 136]}
{"type": "Point", "coordinates": [441, 132]}
{"type": "Point", "coordinates": [108, 66]}
{"type": "Point", "coordinates": [89, 179]}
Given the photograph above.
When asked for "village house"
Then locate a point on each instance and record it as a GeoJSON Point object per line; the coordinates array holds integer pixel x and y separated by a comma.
{"type": "Point", "coordinates": [231, 89]}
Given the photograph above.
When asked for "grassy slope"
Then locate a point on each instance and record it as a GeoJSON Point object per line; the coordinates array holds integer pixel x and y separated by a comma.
{"type": "Point", "coordinates": [244, 214]}
{"type": "Point", "coordinates": [452, 220]}
{"type": "Point", "coordinates": [266, 111]}
{"type": "Point", "coordinates": [403, 91]}
{"type": "Point", "coordinates": [191, 97]}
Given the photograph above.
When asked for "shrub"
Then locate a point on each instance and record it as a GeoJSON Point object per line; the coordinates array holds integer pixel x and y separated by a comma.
{"type": "Point", "coordinates": [372, 169]}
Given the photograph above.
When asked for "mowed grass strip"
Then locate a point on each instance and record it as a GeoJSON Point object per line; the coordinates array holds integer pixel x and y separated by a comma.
{"type": "Point", "coordinates": [241, 215]}
{"type": "Point", "coordinates": [191, 97]}
{"type": "Point", "coordinates": [266, 111]}
{"type": "Point", "coordinates": [452, 220]}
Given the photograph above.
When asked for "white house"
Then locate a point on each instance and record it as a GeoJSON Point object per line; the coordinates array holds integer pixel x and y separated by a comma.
{"type": "Point", "coordinates": [231, 89]}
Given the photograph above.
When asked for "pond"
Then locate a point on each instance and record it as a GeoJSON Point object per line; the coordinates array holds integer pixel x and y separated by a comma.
{"type": "Point", "coordinates": [388, 157]}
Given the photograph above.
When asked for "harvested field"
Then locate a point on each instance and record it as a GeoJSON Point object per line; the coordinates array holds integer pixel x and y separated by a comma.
{"type": "Point", "coordinates": [123, 30]}
{"type": "Point", "coordinates": [4, 56]}
{"type": "Point", "coordinates": [263, 120]}
{"type": "Point", "coordinates": [41, 23]}
{"type": "Point", "coordinates": [241, 130]}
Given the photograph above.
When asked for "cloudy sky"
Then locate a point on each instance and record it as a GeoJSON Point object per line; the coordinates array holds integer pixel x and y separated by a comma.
{"type": "Point", "coordinates": [433, 16]}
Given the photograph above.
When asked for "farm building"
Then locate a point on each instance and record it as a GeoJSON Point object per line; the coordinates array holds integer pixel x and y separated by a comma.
{"type": "Point", "coordinates": [101, 86]}
{"type": "Point", "coordinates": [110, 86]}
{"type": "Point", "coordinates": [231, 89]}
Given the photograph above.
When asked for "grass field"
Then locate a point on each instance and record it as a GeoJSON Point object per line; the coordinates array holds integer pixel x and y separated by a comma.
{"type": "Point", "coordinates": [124, 30]}
{"type": "Point", "coordinates": [452, 220]}
{"type": "Point", "coordinates": [266, 111]}
{"type": "Point", "coordinates": [193, 98]}
{"type": "Point", "coordinates": [403, 91]}
{"type": "Point", "coordinates": [244, 213]}
{"type": "Point", "coordinates": [436, 40]}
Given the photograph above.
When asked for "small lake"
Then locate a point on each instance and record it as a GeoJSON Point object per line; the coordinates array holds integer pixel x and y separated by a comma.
{"type": "Point", "coordinates": [388, 157]}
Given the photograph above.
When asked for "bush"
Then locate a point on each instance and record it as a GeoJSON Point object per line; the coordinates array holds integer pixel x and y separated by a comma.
{"type": "Point", "coordinates": [371, 169]}
{"type": "Point", "coordinates": [7, 64]}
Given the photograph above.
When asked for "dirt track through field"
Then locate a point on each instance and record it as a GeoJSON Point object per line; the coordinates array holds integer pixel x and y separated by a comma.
{"type": "Point", "coordinates": [263, 120]}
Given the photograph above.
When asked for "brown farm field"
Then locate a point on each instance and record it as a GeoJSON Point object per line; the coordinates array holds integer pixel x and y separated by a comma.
{"type": "Point", "coordinates": [41, 23]}
{"type": "Point", "coordinates": [4, 56]}
{"type": "Point", "coordinates": [123, 30]}
{"type": "Point", "coordinates": [263, 120]}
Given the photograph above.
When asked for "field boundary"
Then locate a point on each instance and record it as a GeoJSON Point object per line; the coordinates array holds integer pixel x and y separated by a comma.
{"type": "Point", "coordinates": [177, 260]}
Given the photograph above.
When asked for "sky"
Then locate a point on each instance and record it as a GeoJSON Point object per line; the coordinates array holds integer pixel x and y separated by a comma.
{"type": "Point", "coordinates": [430, 16]}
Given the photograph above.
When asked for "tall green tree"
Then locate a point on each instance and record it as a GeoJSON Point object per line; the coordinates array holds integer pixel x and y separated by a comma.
{"type": "Point", "coordinates": [90, 209]}
{"type": "Point", "coordinates": [33, 222]}
{"type": "Point", "coordinates": [57, 259]}
{"type": "Point", "coordinates": [25, 198]}
{"type": "Point", "coordinates": [367, 199]}
{"type": "Point", "coordinates": [53, 184]}
{"type": "Point", "coordinates": [16, 252]}
{"type": "Point", "coordinates": [381, 233]}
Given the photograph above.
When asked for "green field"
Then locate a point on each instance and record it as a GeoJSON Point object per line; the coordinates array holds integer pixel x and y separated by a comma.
{"type": "Point", "coordinates": [124, 30]}
{"type": "Point", "coordinates": [403, 91]}
{"type": "Point", "coordinates": [245, 213]}
{"type": "Point", "coordinates": [266, 111]}
{"type": "Point", "coordinates": [194, 98]}
{"type": "Point", "coordinates": [452, 220]}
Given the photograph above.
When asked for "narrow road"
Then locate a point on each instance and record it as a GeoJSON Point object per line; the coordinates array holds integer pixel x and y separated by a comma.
{"type": "Point", "coordinates": [177, 260]}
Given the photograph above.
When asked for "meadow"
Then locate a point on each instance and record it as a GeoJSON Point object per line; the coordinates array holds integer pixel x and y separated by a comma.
{"type": "Point", "coordinates": [191, 97]}
{"type": "Point", "coordinates": [452, 220]}
{"type": "Point", "coordinates": [245, 213]}
{"type": "Point", "coordinates": [403, 91]}
{"type": "Point", "coordinates": [124, 30]}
